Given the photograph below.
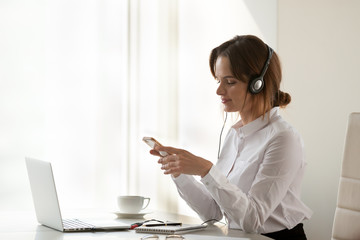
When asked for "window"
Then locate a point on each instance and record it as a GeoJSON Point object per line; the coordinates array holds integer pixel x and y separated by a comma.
{"type": "Point", "coordinates": [82, 82]}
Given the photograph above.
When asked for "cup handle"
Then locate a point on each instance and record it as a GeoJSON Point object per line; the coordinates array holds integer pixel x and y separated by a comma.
{"type": "Point", "coordinates": [148, 201]}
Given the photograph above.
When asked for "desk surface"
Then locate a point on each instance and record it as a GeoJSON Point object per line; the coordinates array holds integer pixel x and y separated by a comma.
{"type": "Point", "coordinates": [24, 226]}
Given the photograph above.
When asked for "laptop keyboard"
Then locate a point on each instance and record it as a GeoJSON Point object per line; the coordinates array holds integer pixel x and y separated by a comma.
{"type": "Point", "coordinates": [76, 225]}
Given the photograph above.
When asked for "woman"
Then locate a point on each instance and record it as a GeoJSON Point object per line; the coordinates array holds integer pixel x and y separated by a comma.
{"type": "Point", "coordinates": [256, 181]}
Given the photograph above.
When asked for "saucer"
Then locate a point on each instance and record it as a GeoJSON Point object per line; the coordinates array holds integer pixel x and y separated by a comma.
{"type": "Point", "coordinates": [131, 215]}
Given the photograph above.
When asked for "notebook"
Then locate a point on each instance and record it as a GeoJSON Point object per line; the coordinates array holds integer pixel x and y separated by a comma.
{"type": "Point", "coordinates": [185, 228]}
{"type": "Point", "coordinates": [47, 205]}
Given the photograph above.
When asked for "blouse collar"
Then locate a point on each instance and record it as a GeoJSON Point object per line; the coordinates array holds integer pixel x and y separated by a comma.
{"type": "Point", "coordinates": [257, 124]}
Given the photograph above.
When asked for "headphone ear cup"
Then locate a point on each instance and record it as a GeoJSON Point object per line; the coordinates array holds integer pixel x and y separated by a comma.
{"type": "Point", "coordinates": [256, 85]}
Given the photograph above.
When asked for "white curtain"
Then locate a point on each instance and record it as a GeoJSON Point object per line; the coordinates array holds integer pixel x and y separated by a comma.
{"type": "Point", "coordinates": [152, 96]}
{"type": "Point", "coordinates": [81, 82]}
{"type": "Point", "coordinates": [62, 78]}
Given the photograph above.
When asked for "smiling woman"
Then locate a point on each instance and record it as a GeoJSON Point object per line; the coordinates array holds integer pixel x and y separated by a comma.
{"type": "Point", "coordinates": [256, 182]}
{"type": "Point", "coordinates": [235, 89]}
{"type": "Point", "coordinates": [246, 71]}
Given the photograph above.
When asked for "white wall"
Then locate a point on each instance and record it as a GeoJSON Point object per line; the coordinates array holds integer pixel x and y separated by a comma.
{"type": "Point", "coordinates": [318, 43]}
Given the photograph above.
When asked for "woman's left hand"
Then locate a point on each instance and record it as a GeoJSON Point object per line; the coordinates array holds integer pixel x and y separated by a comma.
{"type": "Point", "coordinates": [180, 161]}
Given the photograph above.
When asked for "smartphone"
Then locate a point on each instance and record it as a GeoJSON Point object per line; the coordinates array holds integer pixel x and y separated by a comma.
{"type": "Point", "coordinates": [152, 142]}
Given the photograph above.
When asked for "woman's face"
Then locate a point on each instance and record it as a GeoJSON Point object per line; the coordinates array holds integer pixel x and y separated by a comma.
{"type": "Point", "coordinates": [232, 91]}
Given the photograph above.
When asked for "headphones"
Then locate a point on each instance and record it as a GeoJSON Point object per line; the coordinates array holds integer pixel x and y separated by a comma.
{"type": "Point", "coordinates": [257, 84]}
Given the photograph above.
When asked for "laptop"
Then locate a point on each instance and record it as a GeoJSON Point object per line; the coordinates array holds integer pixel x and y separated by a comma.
{"type": "Point", "coordinates": [47, 204]}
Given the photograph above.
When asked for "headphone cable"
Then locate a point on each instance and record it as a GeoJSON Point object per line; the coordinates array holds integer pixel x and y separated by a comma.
{"type": "Point", "coordinates": [222, 129]}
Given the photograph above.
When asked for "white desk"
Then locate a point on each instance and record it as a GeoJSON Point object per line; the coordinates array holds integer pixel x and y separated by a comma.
{"type": "Point", "coordinates": [24, 226]}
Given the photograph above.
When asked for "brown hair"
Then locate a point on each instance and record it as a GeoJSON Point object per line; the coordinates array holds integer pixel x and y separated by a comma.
{"type": "Point", "coordinates": [247, 55]}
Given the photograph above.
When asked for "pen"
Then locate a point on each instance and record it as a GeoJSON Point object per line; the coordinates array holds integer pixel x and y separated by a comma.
{"type": "Point", "coordinates": [135, 225]}
{"type": "Point", "coordinates": [162, 224]}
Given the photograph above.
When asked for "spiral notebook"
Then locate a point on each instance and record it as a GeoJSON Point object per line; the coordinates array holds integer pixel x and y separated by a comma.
{"type": "Point", "coordinates": [185, 228]}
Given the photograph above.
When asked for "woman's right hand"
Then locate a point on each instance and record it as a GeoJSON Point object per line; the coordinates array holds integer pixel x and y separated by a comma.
{"type": "Point", "coordinates": [156, 153]}
{"type": "Point", "coordinates": [179, 161]}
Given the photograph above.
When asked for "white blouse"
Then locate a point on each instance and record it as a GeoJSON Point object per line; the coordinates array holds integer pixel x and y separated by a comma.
{"type": "Point", "coordinates": [256, 182]}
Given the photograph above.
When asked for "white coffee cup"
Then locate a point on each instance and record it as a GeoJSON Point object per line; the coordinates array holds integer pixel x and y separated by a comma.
{"type": "Point", "coordinates": [132, 204]}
